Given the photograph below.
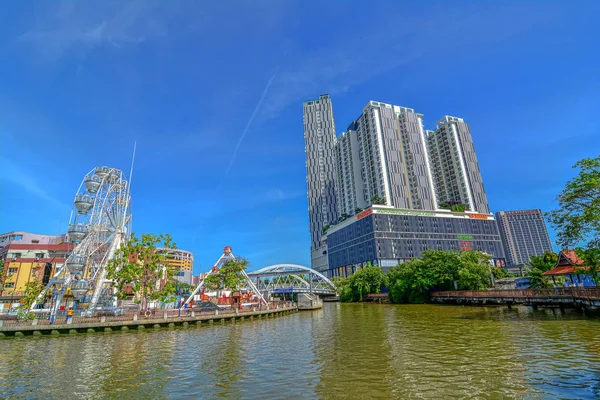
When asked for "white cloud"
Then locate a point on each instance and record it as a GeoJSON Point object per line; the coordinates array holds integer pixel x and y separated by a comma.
{"type": "Point", "coordinates": [70, 25]}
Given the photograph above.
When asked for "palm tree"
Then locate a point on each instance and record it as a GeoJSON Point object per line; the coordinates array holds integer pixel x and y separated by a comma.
{"type": "Point", "coordinates": [537, 266]}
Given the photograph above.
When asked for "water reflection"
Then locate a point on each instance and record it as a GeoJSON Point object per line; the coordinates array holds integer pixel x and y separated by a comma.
{"type": "Point", "coordinates": [345, 350]}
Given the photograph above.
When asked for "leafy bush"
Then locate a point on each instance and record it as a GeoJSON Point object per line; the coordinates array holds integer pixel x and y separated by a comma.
{"type": "Point", "coordinates": [411, 282]}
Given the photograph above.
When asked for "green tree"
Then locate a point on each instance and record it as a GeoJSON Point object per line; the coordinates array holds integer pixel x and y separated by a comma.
{"type": "Point", "coordinates": [139, 269]}
{"type": "Point", "coordinates": [474, 271]}
{"type": "Point", "coordinates": [184, 287]}
{"type": "Point", "coordinates": [378, 200]}
{"type": "Point", "coordinates": [357, 210]}
{"type": "Point", "coordinates": [229, 276]}
{"type": "Point", "coordinates": [445, 205]}
{"type": "Point", "coordinates": [537, 265]}
{"type": "Point", "coordinates": [2, 277]}
{"type": "Point", "coordinates": [500, 273]}
{"type": "Point", "coordinates": [32, 291]}
{"type": "Point", "coordinates": [368, 279]}
{"type": "Point", "coordinates": [411, 282]}
{"type": "Point", "coordinates": [545, 262]}
{"type": "Point", "coordinates": [577, 220]}
{"type": "Point", "coordinates": [343, 289]}
{"type": "Point", "coordinates": [459, 208]}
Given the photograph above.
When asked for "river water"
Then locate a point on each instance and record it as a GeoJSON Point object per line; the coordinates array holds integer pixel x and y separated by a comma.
{"type": "Point", "coordinates": [343, 351]}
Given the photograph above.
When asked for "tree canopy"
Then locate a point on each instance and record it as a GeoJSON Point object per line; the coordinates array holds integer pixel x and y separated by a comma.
{"type": "Point", "coordinates": [537, 266]}
{"type": "Point", "coordinates": [229, 276]}
{"type": "Point", "coordinates": [369, 279]}
{"type": "Point", "coordinates": [378, 200]}
{"type": "Point", "coordinates": [139, 269]}
{"type": "Point", "coordinates": [577, 219]}
{"type": "Point", "coordinates": [2, 277]}
{"type": "Point", "coordinates": [411, 282]}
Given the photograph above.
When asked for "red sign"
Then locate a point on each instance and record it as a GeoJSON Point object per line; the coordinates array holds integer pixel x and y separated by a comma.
{"type": "Point", "coordinates": [363, 214]}
{"type": "Point", "coordinates": [465, 246]}
{"type": "Point", "coordinates": [478, 216]}
{"type": "Point", "coordinates": [227, 250]}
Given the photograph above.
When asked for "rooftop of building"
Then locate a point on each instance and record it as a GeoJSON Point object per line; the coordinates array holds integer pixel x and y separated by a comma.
{"type": "Point", "coordinates": [446, 119]}
{"type": "Point", "coordinates": [384, 209]}
{"type": "Point", "coordinates": [397, 109]}
{"type": "Point", "coordinates": [178, 254]}
{"type": "Point", "coordinates": [567, 264]}
{"type": "Point", "coordinates": [28, 237]}
{"type": "Point", "coordinates": [518, 212]}
{"type": "Point", "coordinates": [321, 97]}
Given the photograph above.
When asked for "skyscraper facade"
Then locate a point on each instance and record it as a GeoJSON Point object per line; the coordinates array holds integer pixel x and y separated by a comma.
{"type": "Point", "coordinates": [524, 234]}
{"type": "Point", "coordinates": [394, 160]}
{"type": "Point", "coordinates": [320, 138]}
{"type": "Point", "coordinates": [374, 192]}
{"type": "Point", "coordinates": [349, 173]}
{"type": "Point", "coordinates": [456, 170]}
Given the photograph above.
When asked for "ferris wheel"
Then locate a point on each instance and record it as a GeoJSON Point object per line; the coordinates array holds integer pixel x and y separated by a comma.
{"type": "Point", "coordinates": [99, 224]}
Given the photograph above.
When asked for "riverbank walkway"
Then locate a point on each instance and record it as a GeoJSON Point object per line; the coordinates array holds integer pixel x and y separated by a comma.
{"type": "Point", "coordinates": [160, 318]}
{"type": "Point", "coordinates": [560, 297]}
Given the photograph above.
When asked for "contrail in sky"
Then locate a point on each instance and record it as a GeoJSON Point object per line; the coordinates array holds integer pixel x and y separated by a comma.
{"type": "Point", "coordinates": [245, 131]}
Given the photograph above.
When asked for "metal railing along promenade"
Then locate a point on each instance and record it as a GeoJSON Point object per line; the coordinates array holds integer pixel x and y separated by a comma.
{"type": "Point", "coordinates": [152, 314]}
{"type": "Point", "coordinates": [576, 296]}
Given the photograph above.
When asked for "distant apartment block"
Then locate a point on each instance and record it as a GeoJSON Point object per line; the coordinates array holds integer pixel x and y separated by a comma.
{"type": "Point", "coordinates": [524, 234]}
{"type": "Point", "coordinates": [455, 168]}
{"type": "Point", "coordinates": [320, 138]}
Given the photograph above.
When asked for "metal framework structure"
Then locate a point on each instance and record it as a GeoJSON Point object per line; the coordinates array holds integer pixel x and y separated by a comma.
{"type": "Point", "coordinates": [227, 255]}
{"type": "Point", "coordinates": [292, 278]}
{"type": "Point", "coordinates": [100, 223]}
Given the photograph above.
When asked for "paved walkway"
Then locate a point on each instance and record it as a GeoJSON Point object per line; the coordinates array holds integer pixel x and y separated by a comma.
{"type": "Point", "coordinates": [160, 319]}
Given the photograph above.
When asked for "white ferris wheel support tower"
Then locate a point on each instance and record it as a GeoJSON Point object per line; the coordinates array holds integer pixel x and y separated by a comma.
{"type": "Point", "coordinates": [100, 223]}
{"type": "Point", "coordinates": [227, 255]}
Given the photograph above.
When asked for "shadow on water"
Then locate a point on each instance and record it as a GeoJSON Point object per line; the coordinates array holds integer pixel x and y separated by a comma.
{"type": "Point", "coordinates": [523, 313]}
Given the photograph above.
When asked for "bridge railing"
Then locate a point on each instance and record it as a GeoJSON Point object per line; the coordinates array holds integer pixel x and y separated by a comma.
{"type": "Point", "coordinates": [591, 293]}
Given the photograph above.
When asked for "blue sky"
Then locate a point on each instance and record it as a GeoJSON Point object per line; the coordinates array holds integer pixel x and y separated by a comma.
{"type": "Point", "coordinates": [213, 92]}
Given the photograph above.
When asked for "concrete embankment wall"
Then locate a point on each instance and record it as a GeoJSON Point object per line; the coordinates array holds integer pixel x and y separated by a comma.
{"type": "Point", "coordinates": [34, 328]}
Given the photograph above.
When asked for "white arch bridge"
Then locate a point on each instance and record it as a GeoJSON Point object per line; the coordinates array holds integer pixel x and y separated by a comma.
{"type": "Point", "coordinates": [291, 278]}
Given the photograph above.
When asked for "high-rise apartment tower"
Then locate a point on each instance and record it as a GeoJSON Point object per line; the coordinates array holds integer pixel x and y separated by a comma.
{"type": "Point", "coordinates": [320, 138]}
{"type": "Point", "coordinates": [524, 234]}
{"type": "Point", "coordinates": [393, 157]}
{"type": "Point", "coordinates": [351, 190]}
{"type": "Point", "coordinates": [455, 168]}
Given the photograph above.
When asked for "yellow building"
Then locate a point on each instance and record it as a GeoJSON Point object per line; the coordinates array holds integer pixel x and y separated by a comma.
{"type": "Point", "coordinates": [28, 257]}
{"type": "Point", "coordinates": [180, 260]}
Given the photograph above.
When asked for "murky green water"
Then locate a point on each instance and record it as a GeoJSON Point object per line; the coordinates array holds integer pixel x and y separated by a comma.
{"type": "Point", "coordinates": [344, 351]}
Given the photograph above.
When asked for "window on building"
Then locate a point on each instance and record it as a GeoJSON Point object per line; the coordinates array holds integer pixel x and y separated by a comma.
{"type": "Point", "coordinates": [12, 271]}
{"type": "Point", "coordinates": [39, 255]}
{"type": "Point", "coordinates": [9, 285]}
